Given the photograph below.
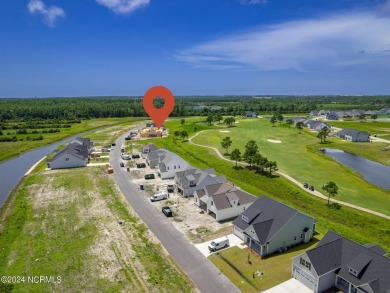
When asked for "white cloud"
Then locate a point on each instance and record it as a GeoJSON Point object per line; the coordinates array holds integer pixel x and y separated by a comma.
{"type": "Point", "coordinates": [123, 6]}
{"type": "Point", "coordinates": [253, 2]}
{"type": "Point", "coordinates": [50, 14]}
{"type": "Point", "coordinates": [310, 44]}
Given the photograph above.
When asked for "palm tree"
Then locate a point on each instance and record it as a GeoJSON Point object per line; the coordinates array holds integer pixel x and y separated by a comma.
{"type": "Point", "coordinates": [331, 188]}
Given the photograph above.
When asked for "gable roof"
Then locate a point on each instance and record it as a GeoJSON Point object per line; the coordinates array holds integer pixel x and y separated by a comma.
{"type": "Point", "coordinates": [223, 193]}
{"type": "Point", "coordinates": [336, 252]}
{"type": "Point", "coordinates": [151, 147]}
{"type": "Point", "coordinates": [84, 141]}
{"type": "Point", "coordinates": [350, 132]}
{"type": "Point", "coordinates": [73, 149]}
{"type": "Point", "coordinates": [267, 216]}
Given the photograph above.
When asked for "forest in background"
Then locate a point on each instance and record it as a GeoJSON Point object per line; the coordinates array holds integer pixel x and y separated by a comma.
{"type": "Point", "coordinates": [63, 111]}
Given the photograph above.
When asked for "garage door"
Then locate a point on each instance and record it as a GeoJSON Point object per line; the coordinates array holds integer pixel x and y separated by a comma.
{"type": "Point", "coordinates": [304, 278]}
{"type": "Point", "coordinates": [239, 233]}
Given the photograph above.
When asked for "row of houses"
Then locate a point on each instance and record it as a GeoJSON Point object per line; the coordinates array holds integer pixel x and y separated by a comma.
{"type": "Point", "coordinates": [73, 155]}
{"type": "Point", "coordinates": [311, 124]}
{"type": "Point", "coordinates": [336, 114]}
{"type": "Point", "coordinates": [268, 226]}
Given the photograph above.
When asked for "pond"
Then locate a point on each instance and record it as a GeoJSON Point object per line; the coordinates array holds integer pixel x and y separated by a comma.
{"type": "Point", "coordinates": [373, 172]}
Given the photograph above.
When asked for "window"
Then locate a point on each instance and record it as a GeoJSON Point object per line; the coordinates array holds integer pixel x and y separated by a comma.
{"type": "Point", "coordinates": [167, 168]}
{"type": "Point", "coordinates": [295, 237]}
{"type": "Point", "coordinates": [179, 166]}
{"type": "Point", "coordinates": [244, 209]}
{"type": "Point", "coordinates": [301, 236]}
{"type": "Point", "coordinates": [67, 159]}
{"type": "Point", "coordinates": [212, 203]}
{"type": "Point", "coordinates": [305, 263]}
{"type": "Point", "coordinates": [174, 167]}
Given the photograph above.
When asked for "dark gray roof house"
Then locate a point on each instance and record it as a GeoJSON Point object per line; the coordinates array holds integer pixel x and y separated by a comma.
{"type": "Point", "coordinates": [71, 156]}
{"type": "Point", "coordinates": [250, 114]}
{"type": "Point", "coordinates": [191, 179]}
{"type": "Point", "coordinates": [147, 148]}
{"type": "Point", "coordinates": [353, 135]}
{"type": "Point", "coordinates": [347, 265]}
{"type": "Point", "coordinates": [268, 226]}
{"type": "Point", "coordinates": [85, 141]}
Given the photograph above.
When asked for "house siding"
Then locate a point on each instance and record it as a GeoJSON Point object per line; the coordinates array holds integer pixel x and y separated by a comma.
{"type": "Point", "coordinates": [306, 276]}
{"type": "Point", "coordinates": [62, 163]}
{"type": "Point", "coordinates": [285, 236]}
{"type": "Point", "coordinates": [175, 165]}
{"type": "Point", "coordinates": [238, 232]}
{"type": "Point", "coordinates": [229, 213]}
{"type": "Point", "coordinates": [326, 281]}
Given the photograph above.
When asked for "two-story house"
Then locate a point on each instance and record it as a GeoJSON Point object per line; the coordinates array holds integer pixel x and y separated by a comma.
{"type": "Point", "coordinates": [339, 262]}
{"type": "Point", "coordinates": [268, 226]}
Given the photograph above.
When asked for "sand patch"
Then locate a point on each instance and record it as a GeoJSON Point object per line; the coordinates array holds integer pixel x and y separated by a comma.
{"type": "Point", "coordinates": [236, 122]}
{"type": "Point", "coordinates": [274, 141]}
{"type": "Point", "coordinates": [224, 131]}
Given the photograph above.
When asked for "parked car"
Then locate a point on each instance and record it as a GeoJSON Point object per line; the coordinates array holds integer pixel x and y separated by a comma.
{"type": "Point", "coordinates": [167, 211]}
{"type": "Point", "coordinates": [135, 156]}
{"type": "Point", "coordinates": [121, 164]}
{"type": "Point", "coordinates": [113, 144]}
{"type": "Point", "coordinates": [159, 196]}
{"type": "Point", "coordinates": [127, 138]}
{"type": "Point", "coordinates": [311, 188]}
{"type": "Point", "coordinates": [141, 165]}
{"type": "Point", "coordinates": [305, 185]}
{"type": "Point", "coordinates": [149, 176]}
{"type": "Point", "coordinates": [122, 150]}
{"type": "Point", "coordinates": [219, 244]}
{"type": "Point", "coordinates": [170, 188]}
{"type": "Point", "coordinates": [126, 157]}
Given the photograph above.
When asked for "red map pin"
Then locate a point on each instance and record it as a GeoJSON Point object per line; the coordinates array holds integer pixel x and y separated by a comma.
{"type": "Point", "coordinates": [158, 115]}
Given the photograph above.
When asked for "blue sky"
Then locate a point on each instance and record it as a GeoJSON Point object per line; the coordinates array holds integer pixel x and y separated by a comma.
{"type": "Point", "coordinates": [194, 47]}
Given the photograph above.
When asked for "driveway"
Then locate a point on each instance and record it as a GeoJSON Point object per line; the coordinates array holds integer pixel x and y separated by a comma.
{"type": "Point", "coordinates": [290, 286]}
{"type": "Point", "coordinates": [233, 241]}
{"type": "Point", "coordinates": [201, 271]}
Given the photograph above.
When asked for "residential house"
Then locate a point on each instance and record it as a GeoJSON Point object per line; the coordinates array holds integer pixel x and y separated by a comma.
{"type": "Point", "coordinates": [298, 119]}
{"type": "Point", "coordinates": [191, 179]}
{"type": "Point", "coordinates": [384, 111]}
{"type": "Point", "coordinates": [339, 262]}
{"type": "Point", "coordinates": [313, 113]}
{"type": "Point", "coordinates": [370, 113]}
{"type": "Point", "coordinates": [147, 148]}
{"type": "Point", "coordinates": [319, 125]}
{"type": "Point", "coordinates": [309, 123]}
{"type": "Point", "coordinates": [353, 135]}
{"type": "Point", "coordinates": [166, 162]}
{"type": "Point", "coordinates": [250, 114]}
{"type": "Point", "coordinates": [71, 156]}
{"type": "Point", "coordinates": [332, 116]}
{"type": "Point", "coordinates": [269, 226]}
{"type": "Point", "coordinates": [85, 142]}
{"type": "Point", "coordinates": [223, 201]}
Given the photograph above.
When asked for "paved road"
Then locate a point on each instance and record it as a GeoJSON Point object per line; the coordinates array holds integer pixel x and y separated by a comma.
{"type": "Point", "coordinates": [201, 271]}
{"type": "Point", "coordinates": [315, 192]}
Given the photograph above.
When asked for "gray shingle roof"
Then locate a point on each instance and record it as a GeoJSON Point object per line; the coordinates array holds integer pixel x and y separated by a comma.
{"type": "Point", "coordinates": [267, 216]}
{"type": "Point", "coordinates": [375, 248]}
{"type": "Point", "coordinates": [73, 149]}
{"type": "Point", "coordinates": [337, 252]}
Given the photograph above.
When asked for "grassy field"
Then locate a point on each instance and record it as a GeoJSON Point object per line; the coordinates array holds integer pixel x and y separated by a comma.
{"type": "Point", "coordinates": [371, 127]}
{"type": "Point", "coordinates": [65, 223]}
{"type": "Point", "coordinates": [233, 263]}
{"type": "Point", "coordinates": [11, 149]}
{"type": "Point", "coordinates": [359, 226]}
{"type": "Point", "coordinates": [298, 156]}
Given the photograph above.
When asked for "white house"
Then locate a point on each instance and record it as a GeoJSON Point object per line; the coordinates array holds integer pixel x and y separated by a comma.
{"type": "Point", "coordinates": [72, 156]}
{"type": "Point", "coordinates": [166, 162]}
{"type": "Point", "coordinates": [353, 135]}
{"type": "Point", "coordinates": [222, 200]}
{"type": "Point", "coordinates": [268, 226]}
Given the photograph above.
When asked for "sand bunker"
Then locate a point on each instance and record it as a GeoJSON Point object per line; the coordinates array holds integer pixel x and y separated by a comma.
{"type": "Point", "coordinates": [224, 131]}
{"type": "Point", "coordinates": [236, 122]}
{"type": "Point", "coordinates": [274, 141]}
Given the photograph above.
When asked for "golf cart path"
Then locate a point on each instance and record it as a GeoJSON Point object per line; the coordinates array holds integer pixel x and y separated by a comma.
{"type": "Point", "coordinates": [315, 192]}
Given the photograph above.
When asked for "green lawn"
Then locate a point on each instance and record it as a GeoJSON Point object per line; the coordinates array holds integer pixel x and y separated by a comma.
{"type": "Point", "coordinates": [356, 225]}
{"type": "Point", "coordinates": [298, 156]}
{"type": "Point", "coordinates": [65, 223]}
{"type": "Point", "coordinates": [233, 263]}
{"type": "Point", "coordinates": [372, 127]}
{"type": "Point", "coordinates": [11, 149]}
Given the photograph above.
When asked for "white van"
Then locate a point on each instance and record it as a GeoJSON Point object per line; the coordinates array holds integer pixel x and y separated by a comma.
{"type": "Point", "coordinates": [159, 196]}
{"type": "Point", "coordinates": [219, 244]}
